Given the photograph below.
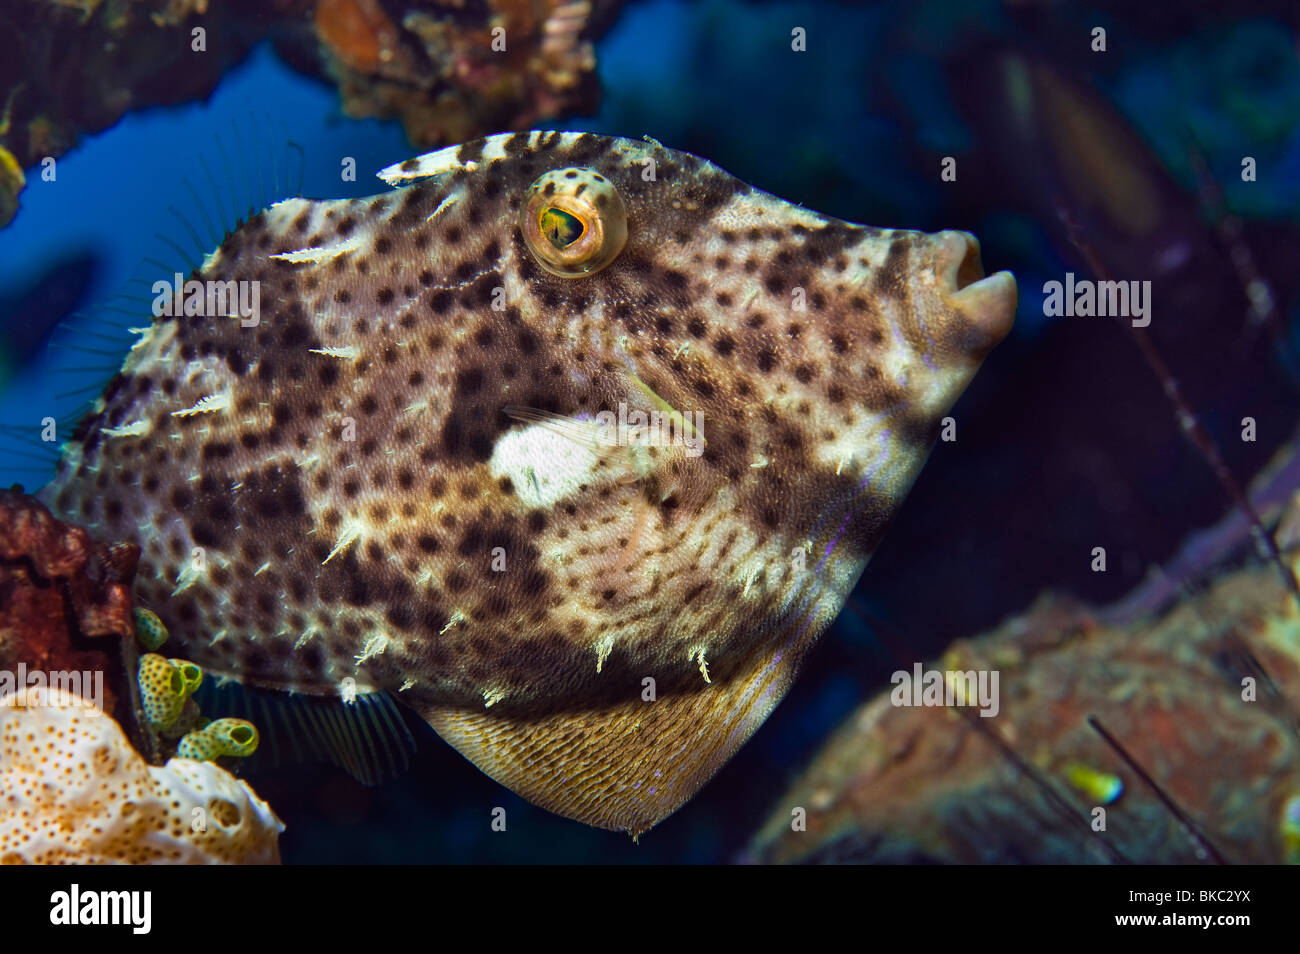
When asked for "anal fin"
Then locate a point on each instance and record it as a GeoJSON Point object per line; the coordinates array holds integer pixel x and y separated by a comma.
{"type": "Point", "coordinates": [623, 766]}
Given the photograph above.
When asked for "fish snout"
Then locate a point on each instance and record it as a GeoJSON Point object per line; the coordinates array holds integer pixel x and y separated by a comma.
{"type": "Point", "coordinates": [988, 304]}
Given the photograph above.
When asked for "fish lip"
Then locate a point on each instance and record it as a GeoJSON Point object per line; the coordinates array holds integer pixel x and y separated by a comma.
{"type": "Point", "coordinates": [988, 303]}
{"type": "Point", "coordinates": [961, 259]}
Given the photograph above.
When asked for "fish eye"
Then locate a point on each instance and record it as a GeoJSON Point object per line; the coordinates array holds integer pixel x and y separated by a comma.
{"type": "Point", "coordinates": [561, 228]}
{"type": "Point", "coordinates": [574, 222]}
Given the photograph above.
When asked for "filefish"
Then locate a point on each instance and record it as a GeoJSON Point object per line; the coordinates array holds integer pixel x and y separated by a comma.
{"type": "Point", "coordinates": [572, 444]}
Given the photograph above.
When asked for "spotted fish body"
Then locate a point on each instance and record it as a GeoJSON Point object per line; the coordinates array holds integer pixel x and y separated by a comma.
{"type": "Point", "coordinates": [597, 626]}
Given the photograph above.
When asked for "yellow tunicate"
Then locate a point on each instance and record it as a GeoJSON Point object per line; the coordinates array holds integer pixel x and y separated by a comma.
{"type": "Point", "coordinates": [223, 737]}
{"type": "Point", "coordinates": [197, 745]}
{"type": "Point", "coordinates": [235, 736]}
{"type": "Point", "coordinates": [191, 673]}
{"type": "Point", "coordinates": [162, 690]}
{"type": "Point", "coordinates": [149, 629]}
{"type": "Point", "coordinates": [189, 720]}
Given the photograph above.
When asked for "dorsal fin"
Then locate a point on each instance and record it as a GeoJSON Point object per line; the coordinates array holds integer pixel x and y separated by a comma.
{"type": "Point", "coordinates": [368, 738]}
{"type": "Point", "coordinates": [82, 352]}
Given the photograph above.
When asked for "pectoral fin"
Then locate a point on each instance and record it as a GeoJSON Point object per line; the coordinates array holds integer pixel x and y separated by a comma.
{"type": "Point", "coordinates": [367, 738]}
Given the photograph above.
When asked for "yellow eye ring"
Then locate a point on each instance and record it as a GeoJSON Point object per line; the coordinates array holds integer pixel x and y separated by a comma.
{"type": "Point", "coordinates": [574, 222]}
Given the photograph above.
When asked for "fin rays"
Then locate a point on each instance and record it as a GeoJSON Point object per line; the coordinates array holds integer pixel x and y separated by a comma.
{"type": "Point", "coordinates": [368, 739]}
{"type": "Point", "coordinates": [627, 766]}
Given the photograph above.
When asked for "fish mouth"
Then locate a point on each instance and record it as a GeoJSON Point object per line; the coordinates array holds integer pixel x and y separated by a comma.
{"type": "Point", "coordinates": [988, 304]}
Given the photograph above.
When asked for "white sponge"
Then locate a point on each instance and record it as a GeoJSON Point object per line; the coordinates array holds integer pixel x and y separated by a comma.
{"type": "Point", "coordinates": [74, 791]}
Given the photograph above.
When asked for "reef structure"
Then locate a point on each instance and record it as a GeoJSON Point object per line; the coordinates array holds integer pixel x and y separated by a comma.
{"type": "Point", "coordinates": [1166, 737]}
{"type": "Point", "coordinates": [454, 71]}
{"type": "Point", "coordinates": [448, 70]}
{"type": "Point", "coordinates": [65, 600]}
{"type": "Point", "coordinates": [73, 786]}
